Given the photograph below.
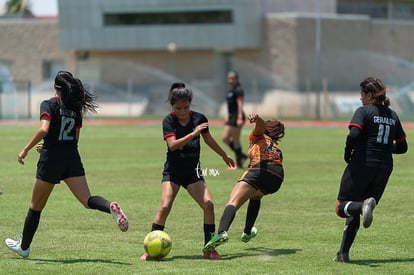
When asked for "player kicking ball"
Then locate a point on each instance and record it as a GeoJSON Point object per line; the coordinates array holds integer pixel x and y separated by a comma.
{"type": "Point", "coordinates": [183, 130]}
{"type": "Point", "coordinates": [263, 176]}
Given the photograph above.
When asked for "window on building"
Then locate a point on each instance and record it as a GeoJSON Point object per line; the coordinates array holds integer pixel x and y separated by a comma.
{"type": "Point", "coordinates": [170, 18]}
{"type": "Point", "coordinates": [396, 9]}
{"type": "Point", "coordinates": [6, 79]}
{"type": "Point", "coordinates": [51, 67]}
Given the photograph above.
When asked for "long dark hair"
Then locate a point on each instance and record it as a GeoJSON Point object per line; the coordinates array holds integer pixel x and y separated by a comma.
{"type": "Point", "coordinates": [73, 94]}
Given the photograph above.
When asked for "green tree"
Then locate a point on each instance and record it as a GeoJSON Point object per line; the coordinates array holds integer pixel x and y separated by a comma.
{"type": "Point", "coordinates": [19, 7]}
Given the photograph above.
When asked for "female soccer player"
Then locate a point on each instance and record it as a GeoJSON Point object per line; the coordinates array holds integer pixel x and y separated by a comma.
{"type": "Point", "coordinates": [369, 147]}
{"type": "Point", "coordinates": [60, 123]}
{"type": "Point", "coordinates": [182, 129]}
{"type": "Point", "coordinates": [263, 176]}
{"type": "Point", "coordinates": [235, 119]}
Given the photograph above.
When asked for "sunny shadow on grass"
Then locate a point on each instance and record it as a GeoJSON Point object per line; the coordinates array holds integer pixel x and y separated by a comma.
{"type": "Point", "coordinates": [75, 261]}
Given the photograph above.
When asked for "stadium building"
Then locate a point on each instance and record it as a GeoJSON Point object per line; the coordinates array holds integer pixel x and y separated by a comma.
{"type": "Point", "coordinates": [289, 53]}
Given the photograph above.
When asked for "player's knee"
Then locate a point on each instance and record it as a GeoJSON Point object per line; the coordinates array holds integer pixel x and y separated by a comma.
{"type": "Point", "coordinates": [338, 213]}
{"type": "Point", "coordinates": [208, 205]}
{"type": "Point", "coordinates": [340, 210]}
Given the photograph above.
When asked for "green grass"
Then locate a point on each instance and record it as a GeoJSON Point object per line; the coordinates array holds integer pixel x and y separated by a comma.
{"type": "Point", "coordinates": [299, 232]}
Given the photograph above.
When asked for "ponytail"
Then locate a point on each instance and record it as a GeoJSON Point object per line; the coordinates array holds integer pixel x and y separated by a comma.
{"type": "Point", "coordinates": [73, 94]}
{"type": "Point", "coordinates": [377, 88]}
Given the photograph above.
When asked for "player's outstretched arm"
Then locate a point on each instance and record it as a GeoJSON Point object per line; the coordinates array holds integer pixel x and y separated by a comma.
{"type": "Point", "coordinates": [211, 142]}
{"type": "Point", "coordinates": [259, 124]}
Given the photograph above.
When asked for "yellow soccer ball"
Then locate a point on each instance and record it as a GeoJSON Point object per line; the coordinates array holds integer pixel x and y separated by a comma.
{"type": "Point", "coordinates": [157, 244]}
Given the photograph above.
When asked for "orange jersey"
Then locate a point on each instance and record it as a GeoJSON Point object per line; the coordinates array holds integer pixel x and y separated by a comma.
{"type": "Point", "coordinates": [263, 149]}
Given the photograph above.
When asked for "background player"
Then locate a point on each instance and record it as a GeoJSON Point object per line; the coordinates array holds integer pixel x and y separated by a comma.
{"type": "Point", "coordinates": [263, 176]}
{"type": "Point", "coordinates": [60, 123]}
{"type": "Point", "coordinates": [369, 147]}
{"type": "Point", "coordinates": [235, 117]}
{"type": "Point", "coordinates": [182, 129]}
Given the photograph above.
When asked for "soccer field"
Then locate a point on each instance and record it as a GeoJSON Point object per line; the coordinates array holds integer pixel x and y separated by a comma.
{"type": "Point", "coordinates": [299, 232]}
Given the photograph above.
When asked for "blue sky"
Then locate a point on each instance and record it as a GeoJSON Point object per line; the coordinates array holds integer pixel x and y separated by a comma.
{"type": "Point", "coordinates": [39, 7]}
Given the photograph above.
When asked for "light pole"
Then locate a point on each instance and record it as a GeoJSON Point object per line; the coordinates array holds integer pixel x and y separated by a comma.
{"type": "Point", "coordinates": [318, 60]}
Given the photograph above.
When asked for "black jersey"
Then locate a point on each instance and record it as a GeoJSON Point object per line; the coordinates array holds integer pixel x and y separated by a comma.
{"type": "Point", "coordinates": [380, 127]}
{"type": "Point", "coordinates": [61, 138]}
{"type": "Point", "coordinates": [188, 156]}
{"type": "Point", "coordinates": [232, 96]}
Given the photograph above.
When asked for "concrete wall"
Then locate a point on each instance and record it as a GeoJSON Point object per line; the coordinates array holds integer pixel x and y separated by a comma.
{"type": "Point", "coordinates": [26, 43]}
{"type": "Point", "coordinates": [89, 32]}
{"type": "Point", "coordinates": [350, 48]}
{"type": "Point", "coordinates": [314, 6]}
{"type": "Point", "coordinates": [287, 50]}
{"type": "Point", "coordinates": [394, 38]}
{"type": "Point", "coordinates": [302, 56]}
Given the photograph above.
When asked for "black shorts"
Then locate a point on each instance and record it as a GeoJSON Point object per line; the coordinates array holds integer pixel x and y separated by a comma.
{"type": "Point", "coordinates": [361, 182]}
{"type": "Point", "coordinates": [54, 171]}
{"type": "Point", "coordinates": [268, 181]}
{"type": "Point", "coordinates": [182, 177]}
{"type": "Point", "coordinates": [232, 121]}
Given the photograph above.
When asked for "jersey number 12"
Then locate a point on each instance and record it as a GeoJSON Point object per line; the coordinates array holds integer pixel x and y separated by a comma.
{"type": "Point", "coordinates": [66, 128]}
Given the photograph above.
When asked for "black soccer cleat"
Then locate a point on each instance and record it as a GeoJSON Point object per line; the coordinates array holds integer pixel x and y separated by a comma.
{"type": "Point", "coordinates": [341, 257]}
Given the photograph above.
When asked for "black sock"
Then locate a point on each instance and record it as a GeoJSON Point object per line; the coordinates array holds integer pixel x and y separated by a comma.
{"type": "Point", "coordinates": [155, 226]}
{"type": "Point", "coordinates": [251, 215]}
{"type": "Point", "coordinates": [239, 154]}
{"type": "Point", "coordinates": [227, 218]}
{"type": "Point", "coordinates": [30, 226]}
{"type": "Point", "coordinates": [208, 230]}
{"type": "Point", "coordinates": [350, 232]}
{"type": "Point", "coordinates": [349, 209]}
{"type": "Point", "coordinates": [99, 203]}
{"type": "Point", "coordinates": [238, 150]}
{"type": "Point", "coordinates": [231, 145]}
